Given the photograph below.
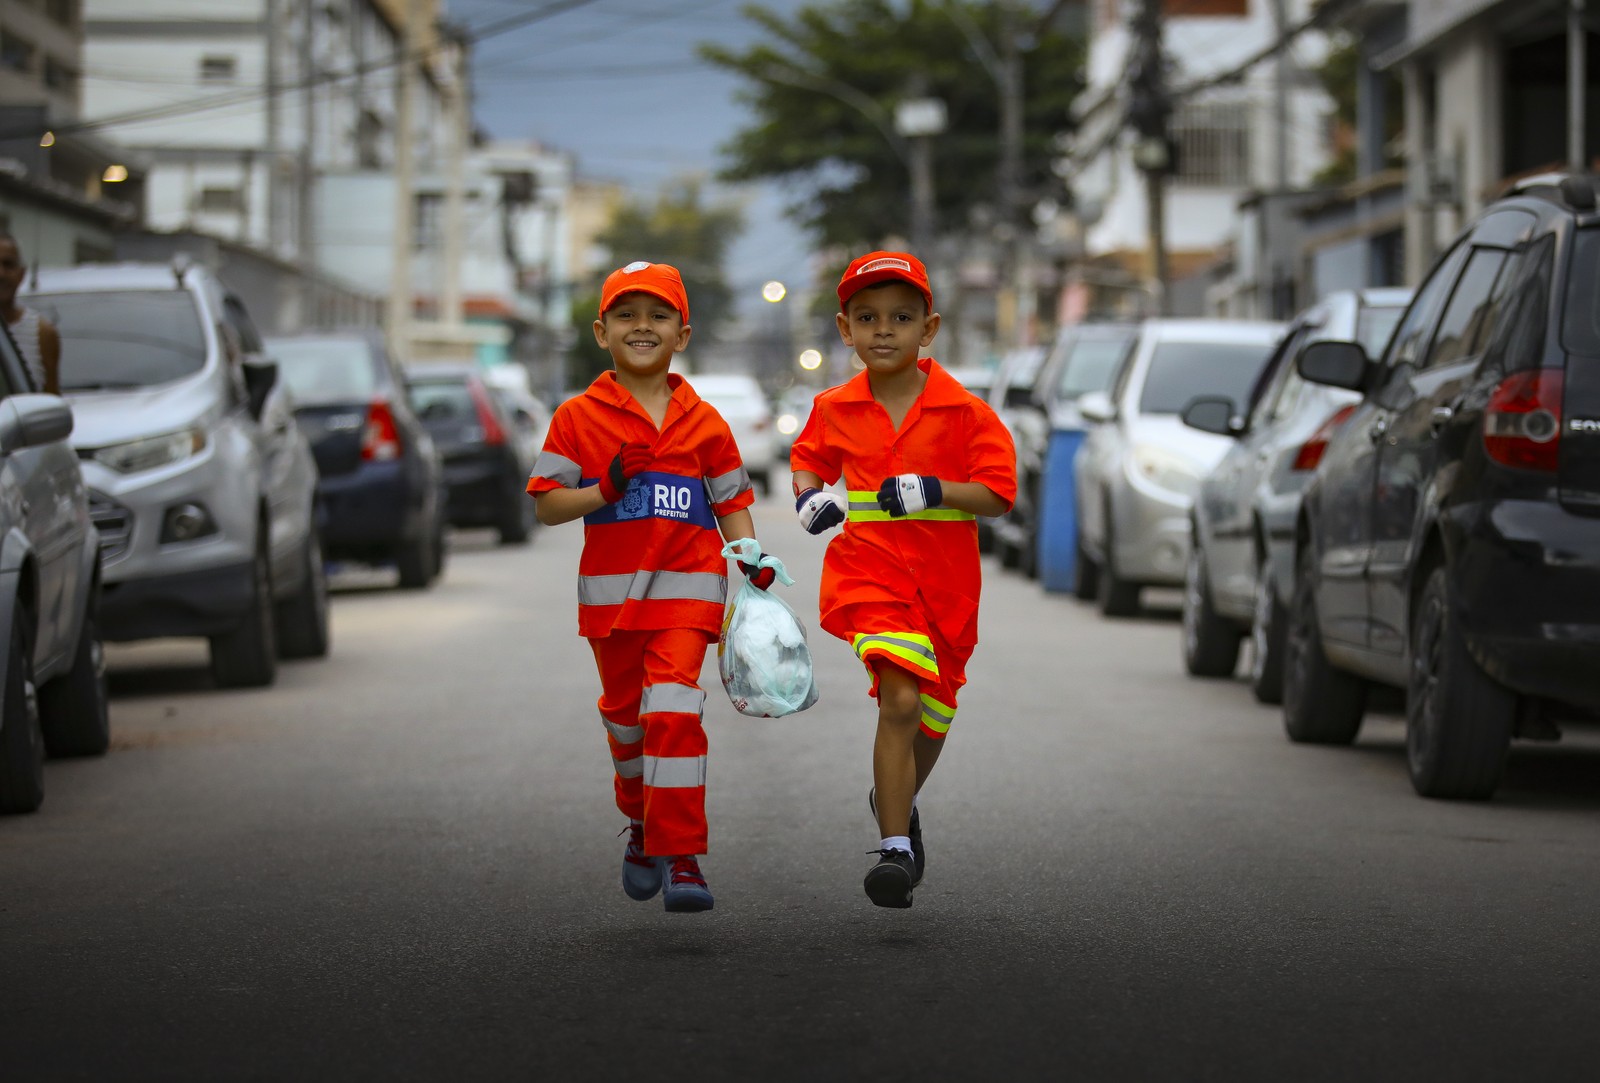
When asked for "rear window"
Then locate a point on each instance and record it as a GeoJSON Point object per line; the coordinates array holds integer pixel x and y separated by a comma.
{"type": "Point", "coordinates": [1580, 332]}
{"type": "Point", "coordinates": [442, 400]}
{"type": "Point", "coordinates": [322, 372]}
{"type": "Point", "coordinates": [1375, 326]}
{"type": "Point", "coordinates": [123, 339]}
{"type": "Point", "coordinates": [1091, 365]}
{"type": "Point", "coordinates": [1180, 371]}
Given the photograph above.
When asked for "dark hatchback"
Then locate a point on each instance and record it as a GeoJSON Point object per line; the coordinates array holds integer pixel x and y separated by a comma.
{"type": "Point", "coordinates": [380, 482]}
{"type": "Point", "coordinates": [486, 465]}
{"type": "Point", "coordinates": [1449, 544]}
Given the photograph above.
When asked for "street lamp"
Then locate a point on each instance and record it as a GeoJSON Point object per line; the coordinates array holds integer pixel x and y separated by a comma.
{"type": "Point", "coordinates": [774, 291]}
{"type": "Point", "coordinates": [811, 360]}
{"type": "Point", "coordinates": [919, 120]}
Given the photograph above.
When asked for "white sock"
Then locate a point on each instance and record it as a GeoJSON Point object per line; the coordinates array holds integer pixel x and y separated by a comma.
{"type": "Point", "coordinates": [896, 842]}
{"type": "Point", "coordinates": [913, 802]}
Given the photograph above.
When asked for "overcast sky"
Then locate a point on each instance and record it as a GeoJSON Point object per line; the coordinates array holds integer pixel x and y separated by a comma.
{"type": "Point", "coordinates": [617, 84]}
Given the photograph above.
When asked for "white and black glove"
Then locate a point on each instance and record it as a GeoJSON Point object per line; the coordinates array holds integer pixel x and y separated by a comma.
{"type": "Point", "coordinates": [907, 494]}
{"type": "Point", "coordinates": [819, 510]}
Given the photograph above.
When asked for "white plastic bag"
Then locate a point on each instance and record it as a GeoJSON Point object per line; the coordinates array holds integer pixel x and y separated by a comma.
{"type": "Point", "coordinates": [762, 653]}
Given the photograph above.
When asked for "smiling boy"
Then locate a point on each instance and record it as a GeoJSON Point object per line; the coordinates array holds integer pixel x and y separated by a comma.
{"type": "Point", "coordinates": [654, 473]}
{"type": "Point", "coordinates": [921, 458]}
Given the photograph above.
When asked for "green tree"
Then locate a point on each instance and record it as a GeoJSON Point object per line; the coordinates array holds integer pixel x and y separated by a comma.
{"type": "Point", "coordinates": [824, 90]}
{"type": "Point", "coordinates": [678, 228]}
{"type": "Point", "coordinates": [1340, 72]}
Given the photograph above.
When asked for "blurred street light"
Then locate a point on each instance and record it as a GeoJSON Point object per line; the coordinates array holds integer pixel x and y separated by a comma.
{"type": "Point", "coordinates": [811, 360]}
{"type": "Point", "coordinates": [115, 174]}
{"type": "Point", "coordinates": [774, 291]}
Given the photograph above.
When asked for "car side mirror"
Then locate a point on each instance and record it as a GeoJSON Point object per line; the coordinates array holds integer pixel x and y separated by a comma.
{"type": "Point", "coordinates": [259, 379]}
{"type": "Point", "coordinates": [1214, 415]}
{"type": "Point", "coordinates": [30, 420]}
{"type": "Point", "coordinates": [1336, 364]}
{"type": "Point", "coordinates": [1096, 406]}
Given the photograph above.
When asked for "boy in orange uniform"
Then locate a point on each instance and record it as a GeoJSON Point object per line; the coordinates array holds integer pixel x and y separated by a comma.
{"type": "Point", "coordinates": [921, 458]}
{"type": "Point", "coordinates": [655, 475]}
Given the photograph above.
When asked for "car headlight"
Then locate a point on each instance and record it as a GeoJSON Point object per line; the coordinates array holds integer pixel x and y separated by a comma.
{"type": "Point", "coordinates": [151, 452]}
{"type": "Point", "coordinates": [788, 424]}
{"type": "Point", "coordinates": [1165, 469]}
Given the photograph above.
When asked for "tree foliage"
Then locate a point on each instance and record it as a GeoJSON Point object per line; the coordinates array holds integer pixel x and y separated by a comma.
{"type": "Point", "coordinates": [824, 87]}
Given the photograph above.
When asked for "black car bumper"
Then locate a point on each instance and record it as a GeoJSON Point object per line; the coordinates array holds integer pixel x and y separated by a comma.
{"type": "Point", "coordinates": [373, 506]}
{"type": "Point", "coordinates": [481, 488]}
{"type": "Point", "coordinates": [199, 603]}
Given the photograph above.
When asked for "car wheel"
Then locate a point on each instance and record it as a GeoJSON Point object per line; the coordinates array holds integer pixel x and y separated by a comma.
{"type": "Point", "coordinates": [1321, 705]}
{"type": "Point", "coordinates": [1028, 553]}
{"type": "Point", "coordinates": [762, 479]}
{"type": "Point", "coordinates": [1210, 643]}
{"type": "Point", "coordinates": [440, 550]}
{"type": "Point", "coordinates": [72, 708]}
{"type": "Point", "coordinates": [985, 536]}
{"type": "Point", "coordinates": [416, 561]}
{"type": "Point", "coordinates": [1085, 574]}
{"type": "Point", "coordinates": [1118, 597]}
{"type": "Point", "coordinates": [21, 741]}
{"type": "Point", "coordinates": [1010, 555]}
{"type": "Point", "coordinates": [1267, 629]}
{"type": "Point", "coordinates": [247, 657]}
{"type": "Point", "coordinates": [1458, 719]}
{"type": "Point", "coordinates": [516, 521]}
{"type": "Point", "coordinates": [303, 619]}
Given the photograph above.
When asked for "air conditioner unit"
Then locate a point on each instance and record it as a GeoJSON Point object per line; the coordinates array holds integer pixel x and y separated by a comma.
{"type": "Point", "coordinates": [1438, 182]}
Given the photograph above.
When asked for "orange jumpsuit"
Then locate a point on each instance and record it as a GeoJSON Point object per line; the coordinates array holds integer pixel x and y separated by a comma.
{"type": "Point", "coordinates": [905, 591]}
{"type": "Point", "coordinates": [652, 583]}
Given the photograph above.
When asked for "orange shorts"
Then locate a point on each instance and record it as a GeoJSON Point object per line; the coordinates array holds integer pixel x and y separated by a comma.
{"type": "Point", "coordinates": [884, 633]}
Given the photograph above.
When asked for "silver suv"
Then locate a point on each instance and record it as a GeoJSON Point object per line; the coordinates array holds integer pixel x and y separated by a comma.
{"type": "Point", "coordinates": [201, 485]}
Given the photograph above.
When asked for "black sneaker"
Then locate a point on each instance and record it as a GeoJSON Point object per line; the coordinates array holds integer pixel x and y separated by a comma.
{"type": "Point", "coordinates": [918, 854]}
{"type": "Point", "coordinates": [890, 881]}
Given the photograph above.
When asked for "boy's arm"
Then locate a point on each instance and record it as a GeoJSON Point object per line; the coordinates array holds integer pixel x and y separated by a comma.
{"type": "Point", "coordinates": [806, 479]}
{"type": "Point", "coordinates": [736, 525]}
{"type": "Point", "coordinates": [975, 497]}
{"type": "Point", "coordinates": [557, 506]}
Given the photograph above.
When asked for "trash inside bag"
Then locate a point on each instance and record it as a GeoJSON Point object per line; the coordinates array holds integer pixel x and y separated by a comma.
{"type": "Point", "coordinates": [762, 653]}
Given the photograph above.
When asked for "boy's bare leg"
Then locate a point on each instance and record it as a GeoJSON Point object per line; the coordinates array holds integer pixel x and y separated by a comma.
{"type": "Point", "coordinates": [926, 750]}
{"type": "Point", "coordinates": [895, 764]}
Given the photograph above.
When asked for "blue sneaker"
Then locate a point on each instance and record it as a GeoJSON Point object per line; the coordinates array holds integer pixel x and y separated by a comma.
{"type": "Point", "coordinates": [919, 856]}
{"type": "Point", "coordinates": [641, 876]}
{"type": "Point", "coordinates": [686, 891]}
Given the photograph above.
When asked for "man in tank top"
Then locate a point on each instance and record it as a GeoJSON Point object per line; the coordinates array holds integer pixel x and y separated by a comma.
{"type": "Point", "coordinates": [35, 336]}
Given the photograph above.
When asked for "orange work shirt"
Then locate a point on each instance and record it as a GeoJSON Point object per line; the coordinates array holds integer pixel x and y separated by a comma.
{"type": "Point", "coordinates": [948, 433]}
{"type": "Point", "coordinates": [653, 559]}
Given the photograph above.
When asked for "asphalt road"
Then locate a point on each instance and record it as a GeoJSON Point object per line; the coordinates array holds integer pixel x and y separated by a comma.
{"type": "Point", "coordinates": [401, 863]}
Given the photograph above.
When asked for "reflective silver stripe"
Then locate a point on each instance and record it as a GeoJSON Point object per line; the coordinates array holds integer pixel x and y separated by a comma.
{"type": "Point", "coordinates": [865, 505]}
{"type": "Point", "coordinates": [558, 468]}
{"type": "Point", "coordinates": [657, 586]}
{"type": "Point", "coordinates": [725, 487]}
{"type": "Point", "coordinates": [627, 735]}
{"type": "Point", "coordinates": [863, 642]}
{"type": "Point", "coordinates": [629, 768]}
{"type": "Point", "coordinates": [677, 698]}
{"type": "Point", "coordinates": [674, 772]}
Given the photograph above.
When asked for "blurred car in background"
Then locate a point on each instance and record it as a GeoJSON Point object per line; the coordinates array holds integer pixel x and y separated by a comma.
{"type": "Point", "coordinates": [486, 458]}
{"type": "Point", "coordinates": [1140, 466]}
{"type": "Point", "coordinates": [201, 483]}
{"type": "Point", "coordinates": [52, 669]}
{"type": "Point", "coordinates": [380, 486]}
{"type": "Point", "coordinates": [790, 414]}
{"type": "Point", "coordinates": [1083, 358]}
{"type": "Point", "coordinates": [743, 405]}
{"type": "Point", "coordinates": [980, 381]}
{"type": "Point", "coordinates": [1240, 574]}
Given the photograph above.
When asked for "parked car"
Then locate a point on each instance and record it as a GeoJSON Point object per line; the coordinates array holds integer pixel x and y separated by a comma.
{"type": "Point", "coordinates": [1083, 358]}
{"type": "Point", "coordinates": [486, 465]}
{"type": "Point", "coordinates": [1140, 467]}
{"type": "Point", "coordinates": [743, 405]}
{"type": "Point", "coordinates": [980, 380]}
{"type": "Point", "coordinates": [792, 410]}
{"type": "Point", "coordinates": [380, 486]}
{"type": "Point", "coordinates": [202, 486]}
{"type": "Point", "coordinates": [52, 673]}
{"type": "Point", "coordinates": [1449, 544]}
{"type": "Point", "coordinates": [1241, 560]}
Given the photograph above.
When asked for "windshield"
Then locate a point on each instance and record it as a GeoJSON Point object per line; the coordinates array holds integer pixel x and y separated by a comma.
{"type": "Point", "coordinates": [325, 371]}
{"type": "Point", "coordinates": [1180, 371]}
{"type": "Point", "coordinates": [1375, 326]}
{"type": "Point", "coordinates": [442, 400]}
{"type": "Point", "coordinates": [132, 338]}
{"type": "Point", "coordinates": [1091, 365]}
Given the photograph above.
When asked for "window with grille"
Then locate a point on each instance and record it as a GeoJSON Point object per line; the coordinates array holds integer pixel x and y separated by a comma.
{"type": "Point", "coordinates": [1213, 143]}
{"type": "Point", "coordinates": [218, 69]}
{"type": "Point", "coordinates": [221, 200]}
{"type": "Point", "coordinates": [16, 54]}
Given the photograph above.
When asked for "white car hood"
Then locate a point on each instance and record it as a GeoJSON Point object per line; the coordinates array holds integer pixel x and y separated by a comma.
{"type": "Point", "coordinates": [103, 418]}
{"type": "Point", "coordinates": [1169, 433]}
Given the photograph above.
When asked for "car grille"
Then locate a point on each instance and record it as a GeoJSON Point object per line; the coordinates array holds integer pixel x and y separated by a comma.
{"type": "Point", "coordinates": [114, 522]}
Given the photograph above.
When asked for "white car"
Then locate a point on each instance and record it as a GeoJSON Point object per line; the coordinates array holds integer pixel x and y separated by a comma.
{"type": "Point", "coordinates": [743, 405]}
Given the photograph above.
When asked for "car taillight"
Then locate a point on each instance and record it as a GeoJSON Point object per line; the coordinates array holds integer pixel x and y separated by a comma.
{"type": "Point", "coordinates": [380, 440]}
{"type": "Point", "coordinates": [1310, 453]}
{"type": "Point", "coordinates": [1522, 423]}
{"type": "Point", "coordinates": [493, 434]}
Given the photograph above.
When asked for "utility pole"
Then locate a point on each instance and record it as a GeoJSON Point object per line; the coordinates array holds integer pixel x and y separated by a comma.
{"type": "Point", "coordinates": [1149, 111]}
{"type": "Point", "coordinates": [305, 175]}
{"type": "Point", "coordinates": [398, 317]}
{"type": "Point", "coordinates": [1577, 85]}
{"type": "Point", "coordinates": [1271, 208]}
{"type": "Point", "coordinates": [450, 306]}
{"type": "Point", "coordinates": [1010, 87]}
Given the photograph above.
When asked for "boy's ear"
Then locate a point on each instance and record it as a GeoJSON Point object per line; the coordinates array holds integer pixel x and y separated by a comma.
{"type": "Point", "coordinates": [930, 328]}
{"type": "Point", "coordinates": [600, 333]}
{"type": "Point", "coordinates": [683, 339]}
{"type": "Point", "coordinates": [844, 327]}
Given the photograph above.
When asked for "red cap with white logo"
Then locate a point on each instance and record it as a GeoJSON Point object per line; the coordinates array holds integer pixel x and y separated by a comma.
{"type": "Point", "coordinates": [657, 279]}
{"type": "Point", "coordinates": [875, 267]}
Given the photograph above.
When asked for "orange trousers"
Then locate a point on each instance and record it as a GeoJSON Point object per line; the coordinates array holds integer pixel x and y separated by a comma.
{"type": "Point", "coordinates": [651, 704]}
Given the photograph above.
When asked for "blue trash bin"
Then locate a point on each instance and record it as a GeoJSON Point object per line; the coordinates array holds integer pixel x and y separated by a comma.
{"type": "Point", "coordinates": [1058, 511]}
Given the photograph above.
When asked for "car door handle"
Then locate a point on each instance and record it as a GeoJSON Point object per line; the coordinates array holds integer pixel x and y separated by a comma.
{"type": "Point", "coordinates": [1440, 418]}
{"type": "Point", "coordinates": [1379, 427]}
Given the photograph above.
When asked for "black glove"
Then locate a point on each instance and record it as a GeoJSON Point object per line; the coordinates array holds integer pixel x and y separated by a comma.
{"type": "Point", "coordinates": [761, 578]}
{"type": "Point", "coordinates": [819, 510]}
{"type": "Point", "coordinates": [909, 493]}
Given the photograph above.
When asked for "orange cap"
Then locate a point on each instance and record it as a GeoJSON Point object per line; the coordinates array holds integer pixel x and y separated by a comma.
{"type": "Point", "coordinates": [657, 279]}
{"type": "Point", "coordinates": [875, 267]}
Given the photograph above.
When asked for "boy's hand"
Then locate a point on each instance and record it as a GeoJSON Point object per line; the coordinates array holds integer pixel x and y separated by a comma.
{"type": "Point", "coordinates": [632, 459]}
{"type": "Point", "coordinates": [907, 494]}
{"type": "Point", "coordinates": [819, 510]}
{"type": "Point", "coordinates": [760, 578]}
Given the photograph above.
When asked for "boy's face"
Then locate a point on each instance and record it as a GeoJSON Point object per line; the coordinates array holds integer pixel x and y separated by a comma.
{"type": "Point", "coordinates": [887, 325]}
{"type": "Point", "coordinates": [641, 332]}
{"type": "Point", "coordinates": [11, 272]}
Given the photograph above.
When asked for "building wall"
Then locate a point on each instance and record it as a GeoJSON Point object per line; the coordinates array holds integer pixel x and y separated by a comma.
{"type": "Point", "coordinates": [41, 55]}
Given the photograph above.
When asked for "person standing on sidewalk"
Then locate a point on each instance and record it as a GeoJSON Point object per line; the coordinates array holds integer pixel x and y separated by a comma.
{"type": "Point", "coordinates": [921, 458]}
{"type": "Point", "coordinates": [35, 336]}
{"type": "Point", "coordinates": [653, 471]}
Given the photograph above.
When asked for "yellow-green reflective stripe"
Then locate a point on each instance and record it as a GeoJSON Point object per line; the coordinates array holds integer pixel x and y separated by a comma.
{"type": "Point", "coordinates": [935, 715]}
{"type": "Point", "coordinates": [914, 648]}
{"type": "Point", "coordinates": [864, 509]}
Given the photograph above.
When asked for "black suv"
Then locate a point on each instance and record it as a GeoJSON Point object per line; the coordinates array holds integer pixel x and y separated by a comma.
{"type": "Point", "coordinates": [1449, 544]}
